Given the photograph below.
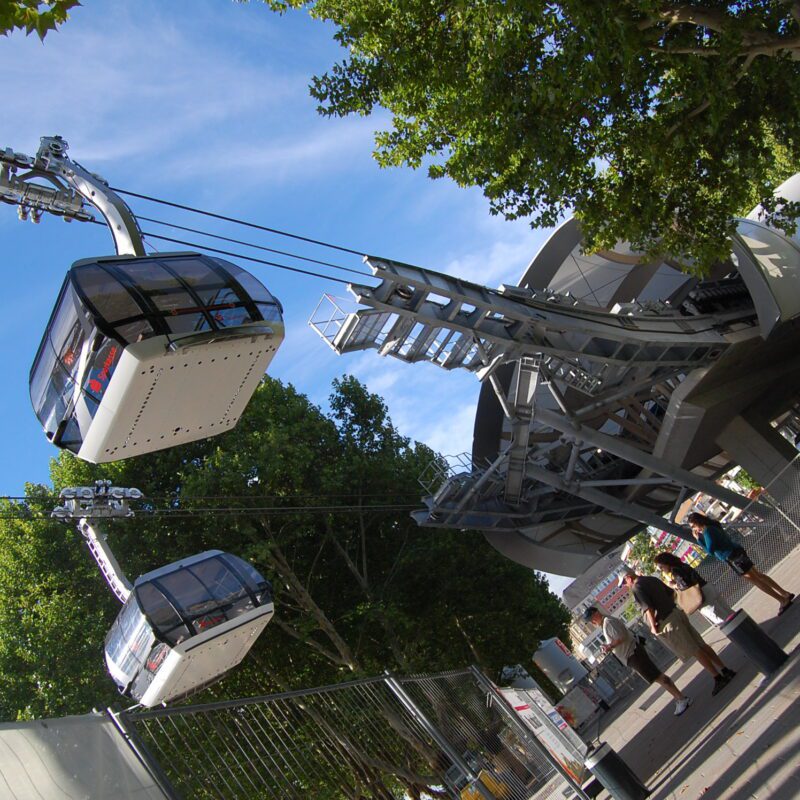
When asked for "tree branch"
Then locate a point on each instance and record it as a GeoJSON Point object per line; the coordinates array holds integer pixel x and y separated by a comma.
{"type": "Point", "coordinates": [304, 599]}
{"type": "Point", "coordinates": [314, 645]}
{"type": "Point", "coordinates": [363, 532]}
{"type": "Point", "coordinates": [770, 48]}
{"type": "Point", "coordinates": [756, 43]}
{"type": "Point", "coordinates": [316, 558]}
{"type": "Point", "coordinates": [474, 650]}
{"type": "Point", "coordinates": [391, 635]}
{"type": "Point", "coordinates": [687, 14]}
{"type": "Point", "coordinates": [704, 52]}
{"type": "Point", "coordinates": [693, 113]}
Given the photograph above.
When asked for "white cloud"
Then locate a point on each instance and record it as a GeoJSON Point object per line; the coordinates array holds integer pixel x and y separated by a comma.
{"type": "Point", "coordinates": [453, 434]}
{"type": "Point", "coordinates": [486, 248]}
{"type": "Point", "coordinates": [500, 261]}
{"type": "Point", "coordinates": [328, 148]}
{"type": "Point", "coordinates": [146, 89]}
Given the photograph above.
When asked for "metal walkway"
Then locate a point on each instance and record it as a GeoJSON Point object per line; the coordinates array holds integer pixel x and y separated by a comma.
{"type": "Point", "coordinates": [584, 393]}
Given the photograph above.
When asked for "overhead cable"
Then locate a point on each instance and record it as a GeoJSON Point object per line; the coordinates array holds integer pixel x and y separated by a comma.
{"type": "Point", "coordinates": [275, 264]}
{"type": "Point", "coordinates": [183, 513]}
{"type": "Point", "coordinates": [253, 245]}
{"type": "Point", "coordinates": [146, 234]}
{"type": "Point", "coordinates": [195, 498]}
{"type": "Point", "coordinates": [237, 221]}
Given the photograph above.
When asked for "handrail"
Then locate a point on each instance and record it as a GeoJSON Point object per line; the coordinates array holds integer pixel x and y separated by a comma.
{"type": "Point", "coordinates": [209, 337]}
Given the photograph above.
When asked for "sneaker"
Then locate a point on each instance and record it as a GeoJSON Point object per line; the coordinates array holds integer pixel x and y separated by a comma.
{"type": "Point", "coordinates": [720, 682]}
{"type": "Point", "coordinates": [785, 604]}
{"type": "Point", "coordinates": [682, 705]}
{"type": "Point", "coordinates": [728, 673]}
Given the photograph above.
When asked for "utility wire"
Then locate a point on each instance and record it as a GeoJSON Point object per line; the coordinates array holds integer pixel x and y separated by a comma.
{"type": "Point", "coordinates": [239, 221]}
{"type": "Point", "coordinates": [144, 513]}
{"type": "Point", "coordinates": [188, 498]}
{"type": "Point", "coordinates": [253, 245]}
{"type": "Point", "coordinates": [169, 512]}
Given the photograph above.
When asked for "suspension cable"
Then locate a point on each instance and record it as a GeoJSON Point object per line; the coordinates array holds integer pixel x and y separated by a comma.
{"type": "Point", "coordinates": [197, 246]}
{"type": "Point", "coordinates": [246, 258]}
{"type": "Point", "coordinates": [253, 245]}
{"type": "Point", "coordinates": [237, 221]}
{"type": "Point", "coordinates": [25, 512]}
{"type": "Point", "coordinates": [173, 497]}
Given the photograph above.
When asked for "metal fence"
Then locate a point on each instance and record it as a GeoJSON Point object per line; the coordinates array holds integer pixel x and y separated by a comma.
{"type": "Point", "coordinates": [444, 735]}
{"type": "Point", "coordinates": [768, 536]}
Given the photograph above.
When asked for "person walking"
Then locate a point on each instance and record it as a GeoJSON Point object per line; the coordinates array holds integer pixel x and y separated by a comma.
{"type": "Point", "coordinates": [711, 536]}
{"type": "Point", "coordinates": [681, 576]}
{"type": "Point", "coordinates": [631, 652]}
{"type": "Point", "coordinates": [657, 603]}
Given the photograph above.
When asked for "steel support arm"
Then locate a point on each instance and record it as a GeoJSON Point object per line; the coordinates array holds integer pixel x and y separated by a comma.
{"type": "Point", "coordinates": [72, 187]}
{"type": "Point", "coordinates": [621, 507]}
{"type": "Point", "coordinates": [108, 564]}
{"type": "Point", "coordinates": [611, 444]}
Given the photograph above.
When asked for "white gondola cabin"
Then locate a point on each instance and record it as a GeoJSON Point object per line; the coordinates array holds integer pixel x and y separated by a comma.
{"type": "Point", "coordinates": [185, 625]}
{"type": "Point", "coordinates": [144, 353]}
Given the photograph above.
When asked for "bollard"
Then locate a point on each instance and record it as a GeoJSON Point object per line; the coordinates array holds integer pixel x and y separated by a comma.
{"type": "Point", "coordinates": [615, 775]}
{"type": "Point", "coordinates": [754, 643]}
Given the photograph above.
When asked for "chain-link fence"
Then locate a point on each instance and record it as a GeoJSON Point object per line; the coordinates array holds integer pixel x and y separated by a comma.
{"type": "Point", "coordinates": [445, 735]}
{"type": "Point", "coordinates": [768, 529]}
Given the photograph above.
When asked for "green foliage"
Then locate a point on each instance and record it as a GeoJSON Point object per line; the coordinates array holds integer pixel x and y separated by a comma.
{"type": "Point", "coordinates": [746, 480]}
{"type": "Point", "coordinates": [34, 15]}
{"type": "Point", "coordinates": [53, 616]}
{"type": "Point", "coordinates": [643, 553]}
{"type": "Point", "coordinates": [630, 611]}
{"type": "Point", "coordinates": [320, 504]}
{"type": "Point", "coordinates": [654, 122]}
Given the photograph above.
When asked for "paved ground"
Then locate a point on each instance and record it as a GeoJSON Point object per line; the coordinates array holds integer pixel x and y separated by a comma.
{"type": "Point", "coordinates": [745, 742]}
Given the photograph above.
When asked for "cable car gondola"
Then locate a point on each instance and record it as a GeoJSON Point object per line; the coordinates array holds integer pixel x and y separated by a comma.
{"type": "Point", "coordinates": [185, 625]}
{"type": "Point", "coordinates": [147, 352]}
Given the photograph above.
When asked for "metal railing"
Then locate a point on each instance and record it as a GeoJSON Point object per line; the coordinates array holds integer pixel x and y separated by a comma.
{"type": "Point", "coordinates": [444, 735]}
{"type": "Point", "coordinates": [768, 538]}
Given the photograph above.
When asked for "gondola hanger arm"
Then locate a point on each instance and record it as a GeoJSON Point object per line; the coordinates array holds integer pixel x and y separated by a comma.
{"type": "Point", "coordinates": [84, 504]}
{"type": "Point", "coordinates": [73, 187]}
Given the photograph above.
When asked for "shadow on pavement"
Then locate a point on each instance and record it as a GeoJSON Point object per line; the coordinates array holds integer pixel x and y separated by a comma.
{"type": "Point", "coordinates": [672, 750]}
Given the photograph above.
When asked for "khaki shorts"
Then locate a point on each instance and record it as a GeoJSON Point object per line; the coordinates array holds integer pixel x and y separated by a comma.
{"type": "Point", "coordinates": [680, 635]}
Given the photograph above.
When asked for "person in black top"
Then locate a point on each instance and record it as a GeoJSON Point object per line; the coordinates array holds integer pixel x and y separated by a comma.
{"type": "Point", "coordinates": [665, 620]}
{"type": "Point", "coordinates": [680, 575]}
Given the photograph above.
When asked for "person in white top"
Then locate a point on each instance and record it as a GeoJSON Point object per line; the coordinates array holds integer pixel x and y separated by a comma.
{"type": "Point", "coordinates": [631, 652]}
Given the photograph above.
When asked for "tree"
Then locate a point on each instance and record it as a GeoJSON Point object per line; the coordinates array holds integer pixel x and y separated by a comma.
{"type": "Point", "coordinates": [747, 481]}
{"type": "Point", "coordinates": [319, 503]}
{"type": "Point", "coordinates": [54, 613]}
{"type": "Point", "coordinates": [655, 122]}
{"type": "Point", "coordinates": [643, 553]}
{"type": "Point", "coordinates": [34, 15]}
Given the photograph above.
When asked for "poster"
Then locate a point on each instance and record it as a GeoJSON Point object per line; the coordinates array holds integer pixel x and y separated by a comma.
{"type": "Point", "coordinates": [550, 729]}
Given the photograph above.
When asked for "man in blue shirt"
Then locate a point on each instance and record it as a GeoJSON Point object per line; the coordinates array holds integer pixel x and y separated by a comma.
{"type": "Point", "coordinates": [711, 536]}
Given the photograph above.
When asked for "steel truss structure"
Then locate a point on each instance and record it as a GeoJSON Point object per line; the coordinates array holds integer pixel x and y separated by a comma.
{"type": "Point", "coordinates": [579, 400]}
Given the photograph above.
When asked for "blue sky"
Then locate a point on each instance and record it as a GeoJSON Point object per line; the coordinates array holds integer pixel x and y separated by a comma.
{"type": "Point", "coordinates": [205, 102]}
